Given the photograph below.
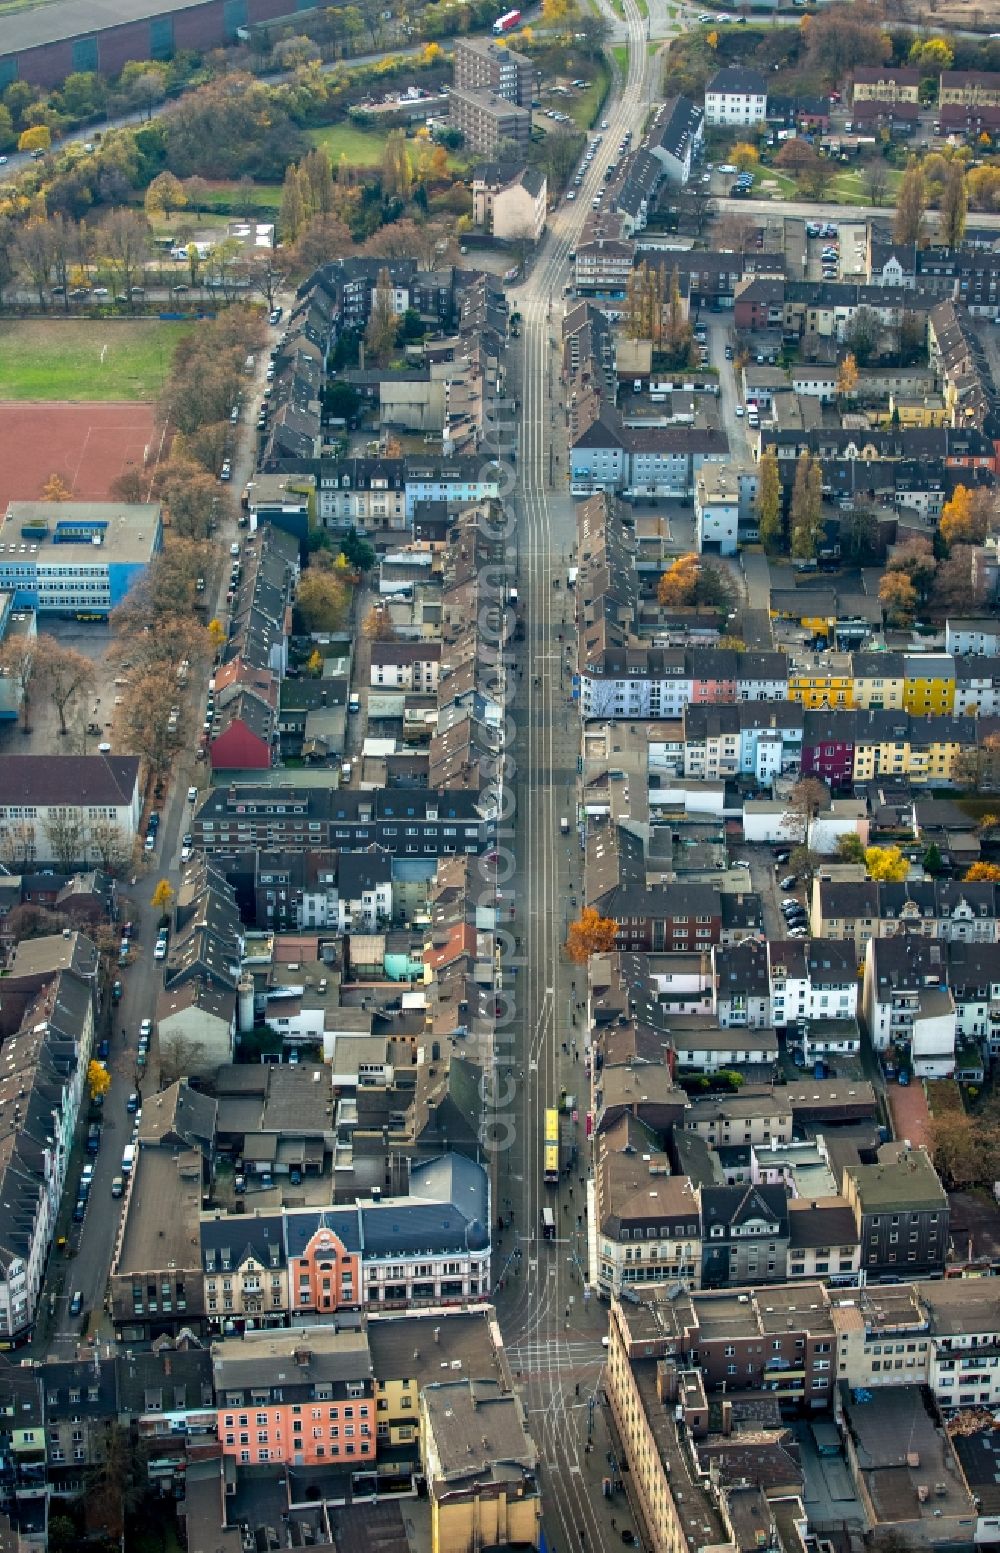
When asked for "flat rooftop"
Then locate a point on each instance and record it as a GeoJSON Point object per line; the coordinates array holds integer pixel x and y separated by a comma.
{"type": "Point", "coordinates": [69, 18]}
{"type": "Point", "coordinates": [163, 1207]}
{"type": "Point", "coordinates": [893, 1429]}
{"type": "Point", "coordinates": [60, 533]}
{"type": "Point", "coordinates": [438, 1345]}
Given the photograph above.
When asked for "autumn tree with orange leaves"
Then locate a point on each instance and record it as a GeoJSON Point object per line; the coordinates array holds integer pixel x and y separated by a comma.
{"type": "Point", "coordinates": [590, 934]}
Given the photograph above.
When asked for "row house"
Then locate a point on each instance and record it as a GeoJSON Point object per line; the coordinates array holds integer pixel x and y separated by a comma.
{"type": "Point", "coordinates": [409, 822]}
{"type": "Point", "coordinates": [401, 665]}
{"type": "Point", "coordinates": [431, 1247]}
{"type": "Point", "coordinates": [648, 1220]}
{"type": "Point", "coordinates": [901, 1211]}
{"type": "Point", "coordinates": [376, 495]}
{"type": "Point", "coordinates": [42, 1082]}
{"type": "Point", "coordinates": [812, 980]}
{"type": "Point", "coordinates": [295, 1399]}
{"type": "Point", "coordinates": [929, 999]}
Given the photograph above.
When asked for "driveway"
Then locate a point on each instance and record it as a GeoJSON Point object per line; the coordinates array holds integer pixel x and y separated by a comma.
{"type": "Point", "coordinates": [910, 1116]}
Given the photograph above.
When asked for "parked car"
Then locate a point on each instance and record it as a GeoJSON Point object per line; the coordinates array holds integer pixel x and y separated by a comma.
{"type": "Point", "coordinates": [76, 1304]}
{"type": "Point", "coordinates": [117, 1186]}
{"type": "Point", "coordinates": [788, 882]}
{"type": "Point", "coordinates": [132, 1103]}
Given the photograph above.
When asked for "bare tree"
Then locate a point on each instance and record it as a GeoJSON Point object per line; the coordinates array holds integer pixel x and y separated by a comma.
{"type": "Point", "coordinates": [65, 673]}
{"type": "Point", "coordinates": [112, 846]}
{"type": "Point", "coordinates": [124, 240]}
{"type": "Point", "coordinates": [33, 246]}
{"type": "Point", "coordinates": [64, 833]}
{"type": "Point", "coordinates": [17, 664]}
{"type": "Point", "coordinates": [180, 1056]}
{"type": "Point", "coordinates": [18, 843]}
{"type": "Point", "coordinates": [876, 181]}
{"type": "Point", "coordinates": [144, 720]}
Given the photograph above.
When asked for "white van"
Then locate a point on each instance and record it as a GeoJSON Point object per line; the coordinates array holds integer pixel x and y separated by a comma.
{"type": "Point", "coordinates": [128, 1159]}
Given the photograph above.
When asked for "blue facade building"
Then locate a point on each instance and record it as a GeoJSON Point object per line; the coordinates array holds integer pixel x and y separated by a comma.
{"type": "Point", "coordinates": [76, 558]}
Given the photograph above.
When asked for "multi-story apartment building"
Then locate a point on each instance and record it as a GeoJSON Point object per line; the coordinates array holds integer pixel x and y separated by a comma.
{"type": "Point", "coordinates": [970, 88]}
{"type": "Point", "coordinates": [408, 822]}
{"type": "Point", "coordinates": [41, 1090]}
{"type": "Point", "coordinates": [432, 1247]}
{"type": "Point", "coordinates": [299, 1399]}
{"type": "Point", "coordinates": [489, 121]}
{"type": "Point", "coordinates": [901, 1211]}
{"type": "Point", "coordinates": [649, 1221]}
{"type": "Point", "coordinates": [482, 65]}
{"type": "Point", "coordinates": [246, 1276]}
{"type": "Point", "coordinates": [886, 83]}
{"type": "Point", "coordinates": [745, 1235]}
{"type": "Point", "coordinates": [812, 981]}
{"type": "Point", "coordinates": [736, 96]}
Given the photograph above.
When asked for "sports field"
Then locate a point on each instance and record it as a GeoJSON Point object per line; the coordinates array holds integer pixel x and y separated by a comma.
{"type": "Point", "coordinates": [77, 358]}
{"type": "Point", "coordinates": [87, 445]}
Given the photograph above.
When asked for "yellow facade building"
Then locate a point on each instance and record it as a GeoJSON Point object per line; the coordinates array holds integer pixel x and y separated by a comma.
{"type": "Point", "coordinates": [878, 681]}
{"type": "Point", "coordinates": [928, 683]}
{"type": "Point", "coordinates": [821, 680]}
{"type": "Point", "coordinates": [481, 1468]}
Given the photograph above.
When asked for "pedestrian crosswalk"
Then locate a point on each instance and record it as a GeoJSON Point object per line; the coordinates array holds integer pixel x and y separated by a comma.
{"type": "Point", "coordinates": [538, 1356]}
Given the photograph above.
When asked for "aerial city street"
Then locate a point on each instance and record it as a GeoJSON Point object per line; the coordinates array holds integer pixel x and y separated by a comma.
{"type": "Point", "coordinates": [499, 776]}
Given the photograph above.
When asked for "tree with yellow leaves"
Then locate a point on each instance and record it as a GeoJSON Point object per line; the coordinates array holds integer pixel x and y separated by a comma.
{"type": "Point", "coordinates": [431, 53]}
{"type": "Point", "coordinates": [847, 377]}
{"type": "Point", "coordinates": [37, 138]}
{"type": "Point", "coordinates": [590, 934]}
{"type": "Point", "coordinates": [217, 634]}
{"type": "Point", "coordinates": [679, 582]}
{"type": "Point", "coordinates": [744, 156]}
{"type": "Point", "coordinates": [162, 897]}
{"type": "Point", "coordinates": [965, 519]}
{"type": "Point", "coordinates": [886, 863]}
{"type": "Point", "coordinates": [556, 12]}
{"type": "Point", "coordinates": [898, 597]}
{"type": "Point", "coordinates": [98, 1079]}
{"type": "Point", "coordinates": [986, 873]}
{"type": "Point", "coordinates": [56, 489]}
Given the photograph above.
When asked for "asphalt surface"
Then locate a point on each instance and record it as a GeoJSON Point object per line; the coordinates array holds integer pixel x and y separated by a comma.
{"type": "Point", "coordinates": [551, 1321]}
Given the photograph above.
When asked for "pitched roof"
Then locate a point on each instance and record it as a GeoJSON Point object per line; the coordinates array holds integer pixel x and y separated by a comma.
{"type": "Point", "coordinates": [73, 780]}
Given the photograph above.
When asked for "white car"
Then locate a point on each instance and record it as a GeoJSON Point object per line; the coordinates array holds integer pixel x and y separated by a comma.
{"type": "Point", "coordinates": [571, 195]}
{"type": "Point", "coordinates": [160, 952]}
{"type": "Point", "coordinates": [145, 1029]}
{"type": "Point", "coordinates": [740, 412]}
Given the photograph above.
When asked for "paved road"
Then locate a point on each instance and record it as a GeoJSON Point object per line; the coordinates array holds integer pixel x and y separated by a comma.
{"type": "Point", "coordinates": [552, 1327]}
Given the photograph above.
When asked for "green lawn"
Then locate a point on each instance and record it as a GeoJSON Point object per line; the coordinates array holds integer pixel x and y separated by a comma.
{"type": "Point", "coordinates": [85, 359]}
{"type": "Point", "coordinates": [848, 188]}
{"type": "Point", "coordinates": [585, 108]}
{"type": "Point", "coordinates": [268, 194]}
{"type": "Point", "coordinates": [643, 8]}
{"type": "Point", "coordinates": [620, 54]}
{"type": "Point", "coordinates": [361, 147]}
